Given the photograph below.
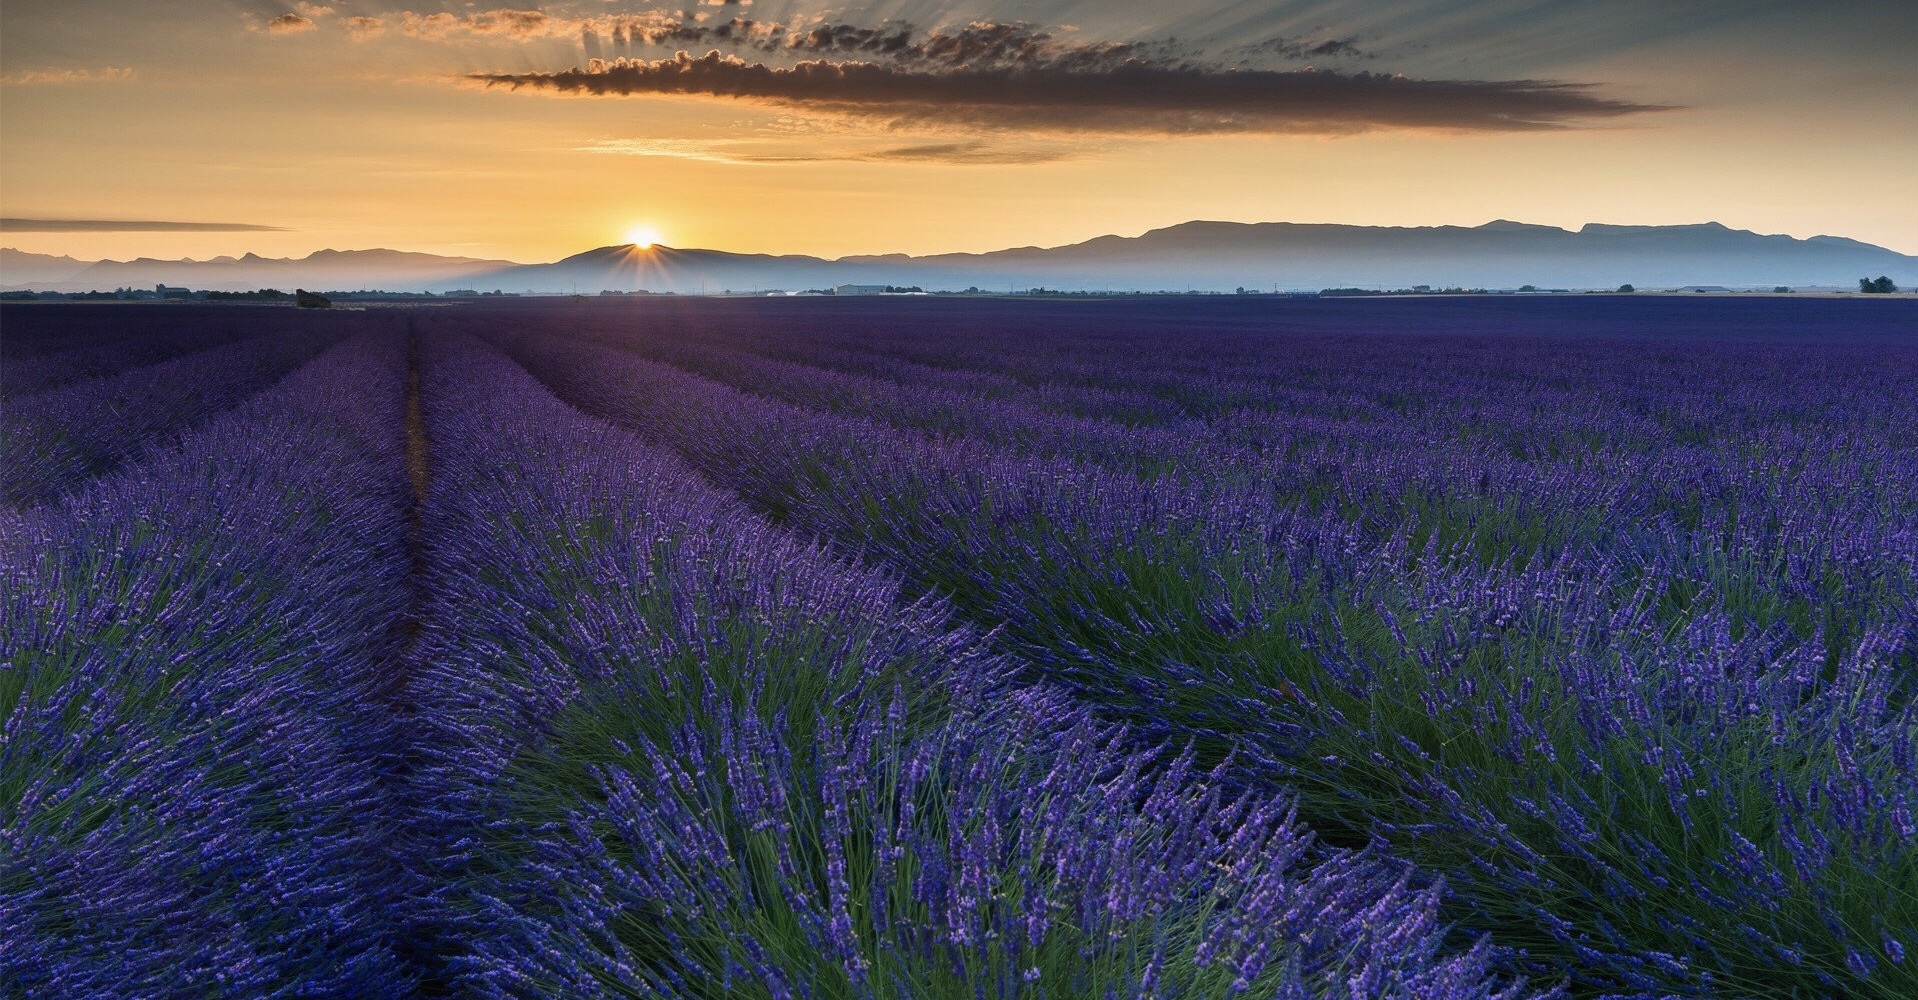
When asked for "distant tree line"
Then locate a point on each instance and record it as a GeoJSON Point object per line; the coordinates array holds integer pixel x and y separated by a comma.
{"type": "Point", "coordinates": [1877, 286]}
{"type": "Point", "coordinates": [263, 295]}
{"type": "Point", "coordinates": [1354, 292]}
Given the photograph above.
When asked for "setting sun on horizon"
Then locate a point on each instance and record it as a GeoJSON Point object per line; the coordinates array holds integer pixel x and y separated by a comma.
{"type": "Point", "coordinates": [642, 236]}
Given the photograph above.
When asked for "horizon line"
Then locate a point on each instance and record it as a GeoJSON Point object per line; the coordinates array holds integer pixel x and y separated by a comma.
{"type": "Point", "coordinates": [12, 225]}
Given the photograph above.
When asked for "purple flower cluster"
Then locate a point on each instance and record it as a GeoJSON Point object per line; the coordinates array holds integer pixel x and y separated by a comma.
{"type": "Point", "coordinates": [50, 346]}
{"type": "Point", "coordinates": [679, 752]}
{"type": "Point", "coordinates": [193, 709]}
{"type": "Point", "coordinates": [1019, 419]}
{"type": "Point", "coordinates": [944, 648]}
{"type": "Point", "coordinates": [1615, 634]}
{"type": "Point", "coordinates": [1025, 851]}
{"type": "Point", "coordinates": [56, 438]}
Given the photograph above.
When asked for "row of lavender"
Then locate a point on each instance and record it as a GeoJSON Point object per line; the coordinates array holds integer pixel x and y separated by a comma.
{"type": "Point", "coordinates": [1826, 699]}
{"type": "Point", "coordinates": [1618, 636]}
{"type": "Point", "coordinates": [68, 415]}
{"type": "Point", "coordinates": [708, 760]}
{"type": "Point", "coordinates": [56, 347]}
{"type": "Point", "coordinates": [195, 663]}
{"type": "Point", "coordinates": [646, 744]}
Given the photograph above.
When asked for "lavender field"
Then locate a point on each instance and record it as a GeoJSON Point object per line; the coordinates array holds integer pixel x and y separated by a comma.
{"type": "Point", "coordinates": [968, 648]}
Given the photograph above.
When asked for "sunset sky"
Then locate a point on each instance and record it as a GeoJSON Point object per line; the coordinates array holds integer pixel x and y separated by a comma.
{"type": "Point", "coordinates": [793, 127]}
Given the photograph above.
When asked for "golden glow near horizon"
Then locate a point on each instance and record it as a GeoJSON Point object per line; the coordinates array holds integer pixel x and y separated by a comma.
{"type": "Point", "coordinates": [350, 126]}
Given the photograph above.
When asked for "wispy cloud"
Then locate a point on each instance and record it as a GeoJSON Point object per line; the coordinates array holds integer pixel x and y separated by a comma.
{"type": "Point", "coordinates": [438, 26]}
{"type": "Point", "coordinates": [979, 153]}
{"type": "Point", "coordinates": [1307, 48]}
{"type": "Point", "coordinates": [986, 76]}
{"type": "Point", "coordinates": [128, 226]}
{"type": "Point", "coordinates": [503, 23]}
{"type": "Point", "coordinates": [361, 27]}
{"type": "Point", "coordinates": [1085, 91]}
{"type": "Point", "coordinates": [40, 77]}
{"type": "Point", "coordinates": [289, 24]}
{"type": "Point", "coordinates": [704, 150]}
{"type": "Point", "coordinates": [752, 152]}
{"type": "Point", "coordinates": [976, 45]}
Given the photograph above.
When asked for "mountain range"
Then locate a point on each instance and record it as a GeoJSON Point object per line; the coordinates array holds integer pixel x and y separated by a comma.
{"type": "Point", "coordinates": [1206, 256]}
{"type": "Point", "coordinates": [389, 269]}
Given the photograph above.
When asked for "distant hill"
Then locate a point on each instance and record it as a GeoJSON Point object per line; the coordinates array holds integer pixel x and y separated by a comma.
{"type": "Point", "coordinates": [1215, 256]}
{"type": "Point", "coordinates": [1221, 256]}
{"type": "Point", "coordinates": [17, 267]}
{"type": "Point", "coordinates": [666, 269]}
{"type": "Point", "coordinates": [1497, 254]}
{"type": "Point", "coordinates": [393, 270]}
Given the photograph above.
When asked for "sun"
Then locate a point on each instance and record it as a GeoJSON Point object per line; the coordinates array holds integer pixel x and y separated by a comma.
{"type": "Point", "coordinates": [642, 236]}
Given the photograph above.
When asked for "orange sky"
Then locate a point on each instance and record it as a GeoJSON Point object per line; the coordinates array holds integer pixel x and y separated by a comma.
{"type": "Point", "coordinates": [350, 133]}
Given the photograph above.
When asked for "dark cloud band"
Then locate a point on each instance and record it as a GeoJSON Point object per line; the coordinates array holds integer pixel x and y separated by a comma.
{"type": "Point", "coordinates": [121, 226]}
{"type": "Point", "coordinates": [1118, 97]}
{"type": "Point", "coordinates": [978, 45]}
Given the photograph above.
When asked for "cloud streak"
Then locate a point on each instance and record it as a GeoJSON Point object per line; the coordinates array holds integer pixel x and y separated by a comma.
{"type": "Point", "coordinates": [963, 153]}
{"type": "Point", "coordinates": [1087, 90]}
{"type": "Point", "coordinates": [500, 23]}
{"type": "Point", "coordinates": [42, 77]}
{"type": "Point", "coordinates": [1307, 48]}
{"type": "Point", "coordinates": [289, 24]}
{"type": "Point", "coordinates": [126, 226]}
{"type": "Point", "coordinates": [746, 152]}
{"type": "Point", "coordinates": [994, 76]}
{"type": "Point", "coordinates": [977, 45]}
{"type": "Point", "coordinates": [360, 28]}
